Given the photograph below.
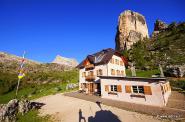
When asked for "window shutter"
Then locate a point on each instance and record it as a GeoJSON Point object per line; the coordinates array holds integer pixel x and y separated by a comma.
{"type": "Point", "coordinates": [128, 89]}
{"type": "Point", "coordinates": [119, 88]}
{"type": "Point", "coordinates": [106, 88]}
{"type": "Point", "coordinates": [164, 88]}
{"type": "Point", "coordinates": [147, 90]}
{"type": "Point", "coordinates": [169, 86]}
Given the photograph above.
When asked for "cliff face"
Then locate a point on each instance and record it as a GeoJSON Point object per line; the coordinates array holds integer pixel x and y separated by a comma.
{"type": "Point", "coordinates": [65, 61]}
{"type": "Point", "coordinates": [131, 28]}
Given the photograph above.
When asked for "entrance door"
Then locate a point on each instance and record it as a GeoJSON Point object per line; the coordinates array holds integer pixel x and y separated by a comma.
{"type": "Point", "coordinates": [91, 88]}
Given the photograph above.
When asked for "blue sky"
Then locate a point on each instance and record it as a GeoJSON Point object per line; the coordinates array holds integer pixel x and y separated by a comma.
{"type": "Point", "coordinates": [73, 28]}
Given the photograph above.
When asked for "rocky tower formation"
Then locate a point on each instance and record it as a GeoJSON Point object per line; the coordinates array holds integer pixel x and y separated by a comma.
{"type": "Point", "coordinates": [65, 61]}
{"type": "Point", "coordinates": [158, 27]}
{"type": "Point", "coordinates": [131, 28]}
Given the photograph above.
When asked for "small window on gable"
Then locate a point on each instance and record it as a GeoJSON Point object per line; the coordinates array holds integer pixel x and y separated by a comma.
{"type": "Point", "coordinates": [117, 61]}
{"type": "Point", "coordinates": [112, 72]}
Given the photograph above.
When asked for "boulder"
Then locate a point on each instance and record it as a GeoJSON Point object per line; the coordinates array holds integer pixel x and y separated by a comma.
{"type": "Point", "coordinates": [175, 71]}
{"type": "Point", "coordinates": [71, 86]}
{"type": "Point", "coordinates": [9, 111]}
{"type": "Point", "coordinates": [24, 106]}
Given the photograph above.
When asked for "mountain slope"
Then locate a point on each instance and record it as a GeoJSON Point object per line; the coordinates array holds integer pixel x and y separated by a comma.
{"type": "Point", "coordinates": [36, 72]}
{"type": "Point", "coordinates": [166, 48]}
{"type": "Point", "coordinates": [65, 61]}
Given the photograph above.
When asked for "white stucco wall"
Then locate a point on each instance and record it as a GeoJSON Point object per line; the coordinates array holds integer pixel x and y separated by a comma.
{"type": "Point", "coordinates": [82, 79]}
{"type": "Point", "coordinates": [155, 99]}
{"type": "Point", "coordinates": [115, 66]}
{"type": "Point", "coordinates": [106, 69]}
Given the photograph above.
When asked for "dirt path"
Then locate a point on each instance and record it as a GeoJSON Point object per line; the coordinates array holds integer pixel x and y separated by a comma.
{"type": "Point", "coordinates": [69, 109]}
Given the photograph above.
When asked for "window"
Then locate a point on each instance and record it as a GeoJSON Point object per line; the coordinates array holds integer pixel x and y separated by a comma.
{"type": "Point", "coordinates": [112, 72]}
{"type": "Point", "coordinates": [138, 89]}
{"type": "Point", "coordinates": [117, 61]}
{"type": "Point", "coordinates": [83, 74]}
{"type": "Point", "coordinates": [118, 72]}
{"type": "Point", "coordinates": [121, 63]}
{"type": "Point", "coordinates": [122, 73]}
{"type": "Point", "coordinates": [99, 72]}
{"type": "Point", "coordinates": [90, 73]}
{"type": "Point", "coordinates": [114, 88]}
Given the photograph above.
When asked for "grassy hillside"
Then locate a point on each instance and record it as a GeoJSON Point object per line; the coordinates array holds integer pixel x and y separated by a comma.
{"type": "Point", "coordinates": [168, 48]}
{"type": "Point", "coordinates": [56, 82]}
{"type": "Point", "coordinates": [141, 73]}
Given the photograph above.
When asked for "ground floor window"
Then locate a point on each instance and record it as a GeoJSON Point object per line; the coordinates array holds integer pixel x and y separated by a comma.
{"type": "Point", "coordinates": [138, 89]}
{"type": "Point", "coordinates": [114, 88]}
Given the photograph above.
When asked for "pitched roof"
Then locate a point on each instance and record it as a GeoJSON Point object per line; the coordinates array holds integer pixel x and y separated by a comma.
{"type": "Point", "coordinates": [101, 57]}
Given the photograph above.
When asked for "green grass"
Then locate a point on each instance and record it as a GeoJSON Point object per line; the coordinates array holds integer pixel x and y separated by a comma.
{"type": "Point", "coordinates": [32, 116]}
{"type": "Point", "coordinates": [36, 90]}
{"type": "Point", "coordinates": [178, 84]}
{"type": "Point", "coordinates": [143, 73]}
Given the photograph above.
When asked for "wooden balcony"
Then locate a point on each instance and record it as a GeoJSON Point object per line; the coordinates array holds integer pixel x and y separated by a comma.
{"type": "Point", "coordinates": [90, 78]}
{"type": "Point", "coordinates": [90, 66]}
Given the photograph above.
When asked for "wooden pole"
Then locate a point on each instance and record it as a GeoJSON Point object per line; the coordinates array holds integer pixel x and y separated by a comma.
{"type": "Point", "coordinates": [133, 70]}
{"type": "Point", "coordinates": [17, 87]}
{"type": "Point", "coordinates": [21, 66]}
{"type": "Point", "coordinates": [161, 71]}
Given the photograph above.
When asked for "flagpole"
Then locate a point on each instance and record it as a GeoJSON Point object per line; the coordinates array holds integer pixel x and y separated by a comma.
{"type": "Point", "coordinates": [17, 86]}
{"type": "Point", "coordinates": [19, 78]}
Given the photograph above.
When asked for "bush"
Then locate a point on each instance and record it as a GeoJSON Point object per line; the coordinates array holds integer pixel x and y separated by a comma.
{"type": "Point", "coordinates": [178, 84]}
